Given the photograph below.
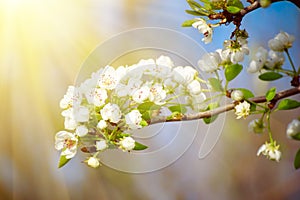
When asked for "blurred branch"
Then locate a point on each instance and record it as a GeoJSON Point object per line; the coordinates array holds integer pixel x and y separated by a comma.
{"type": "Point", "coordinates": [260, 99]}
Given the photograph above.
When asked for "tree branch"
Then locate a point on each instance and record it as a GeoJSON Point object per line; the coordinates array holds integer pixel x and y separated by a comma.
{"type": "Point", "coordinates": [261, 99]}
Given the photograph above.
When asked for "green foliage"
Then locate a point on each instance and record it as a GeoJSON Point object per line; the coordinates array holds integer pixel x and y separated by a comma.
{"type": "Point", "coordinates": [297, 160]}
{"type": "Point", "coordinates": [215, 84]}
{"type": "Point", "coordinates": [232, 71]}
{"type": "Point", "coordinates": [138, 146]}
{"type": "Point", "coordinates": [62, 161]}
{"type": "Point", "coordinates": [271, 94]}
{"type": "Point", "coordinates": [288, 104]}
{"type": "Point", "coordinates": [211, 106]}
{"type": "Point", "coordinates": [235, 3]}
{"type": "Point", "coordinates": [247, 93]}
{"type": "Point", "coordinates": [234, 6]}
{"type": "Point", "coordinates": [233, 9]}
{"type": "Point", "coordinates": [270, 76]}
{"type": "Point", "coordinates": [188, 23]}
{"type": "Point", "coordinates": [178, 108]}
{"type": "Point", "coordinates": [198, 8]}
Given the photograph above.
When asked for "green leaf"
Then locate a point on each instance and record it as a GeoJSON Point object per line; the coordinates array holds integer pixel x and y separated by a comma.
{"type": "Point", "coordinates": [62, 161]}
{"type": "Point", "coordinates": [178, 108]}
{"type": "Point", "coordinates": [143, 123]}
{"type": "Point", "coordinates": [188, 23]}
{"type": "Point", "coordinates": [297, 160]}
{"type": "Point", "coordinates": [288, 104]}
{"type": "Point", "coordinates": [193, 4]}
{"type": "Point", "coordinates": [191, 12]}
{"type": "Point", "coordinates": [269, 76]}
{"type": "Point", "coordinates": [271, 94]}
{"type": "Point", "coordinates": [198, 8]}
{"type": "Point", "coordinates": [233, 9]}
{"type": "Point", "coordinates": [247, 93]}
{"type": "Point", "coordinates": [215, 84]}
{"type": "Point", "coordinates": [138, 146]}
{"type": "Point", "coordinates": [235, 3]}
{"type": "Point", "coordinates": [148, 106]}
{"type": "Point", "coordinates": [231, 71]}
{"type": "Point", "coordinates": [211, 106]}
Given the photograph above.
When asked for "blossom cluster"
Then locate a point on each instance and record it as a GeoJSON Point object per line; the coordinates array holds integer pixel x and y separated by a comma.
{"type": "Point", "coordinates": [102, 112]}
{"type": "Point", "coordinates": [233, 52]}
{"type": "Point", "coordinates": [273, 59]}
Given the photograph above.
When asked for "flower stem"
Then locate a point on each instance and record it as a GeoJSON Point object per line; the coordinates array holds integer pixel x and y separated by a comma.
{"type": "Point", "coordinates": [290, 59]}
{"type": "Point", "coordinates": [269, 126]}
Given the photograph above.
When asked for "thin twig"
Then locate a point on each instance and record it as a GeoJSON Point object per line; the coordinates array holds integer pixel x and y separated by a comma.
{"type": "Point", "coordinates": [261, 99]}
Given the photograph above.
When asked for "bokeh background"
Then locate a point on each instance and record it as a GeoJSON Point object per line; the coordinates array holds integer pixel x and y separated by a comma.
{"type": "Point", "coordinates": [42, 47]}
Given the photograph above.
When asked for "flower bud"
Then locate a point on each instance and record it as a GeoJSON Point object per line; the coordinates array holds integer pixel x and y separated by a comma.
{"type": "Point", "coordinates": [265, 3]}
{"type": "Point", "coordinates": [93, 162]}
{"type": "Point", "coordinates": [256, 126]}
{"type": "Point", "coordinates": [293, 130]}
{"type": "Point", "coordinates": [237, 95]}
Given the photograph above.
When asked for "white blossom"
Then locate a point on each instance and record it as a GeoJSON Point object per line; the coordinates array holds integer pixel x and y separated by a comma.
{"type": "Point", "coordinates": [93, 162]}
{"type": "Point", "coordinates": [203, 28]}
{"type": "Point", "coordinates": [71, 97]}
{"type": "Point", "coordinates": [275, 60]}
{"type": "Point", "coordinates": [67, 142]}
{"type": "Point", "coordinates": [196, 101]}
{"type": "Point", "coordinates": [293, 129]}
{"type": "Point", "coordinates": [184, 75]}
{"type": "Point", "coordinates": [237, 95]}
{"type": "Point", "coordinates": [281, 41]}
{"type": "Point", "coordinates": [165, 61]}
{"type": "Point", "coordinates": [157, 94]}
{"type": "Point", "coordinates": [111, 112]}
{"type": "Point", "coordinates": [133, 119]}
{"type": "Point", "coordinates": [102, 124]}
{"type": "Point", "coordinates": [242, 109]}
{"type": "Point", "coordinates": [210, 62]}
{"type": "Point", "coordinates": [259, 60]}
{"type": "Point", "coordinates": [109, 78]}
{"type": "Point", "coordinates": [235, 50]}
{"type": "Point", "coordinates": [100, 96]}
{"type": "Point", "coordinates": [194, 87]}
{"type": "Point", "coordinates": [140, 95]}
{"type": "Point", "coordinates": [81, 130]}
{"type": "Point", "coordinates": [127, 143]}
{"type": "Point", "coordinates": [270, 150]}
{"type": "Point", "coordinates": [101, 145]}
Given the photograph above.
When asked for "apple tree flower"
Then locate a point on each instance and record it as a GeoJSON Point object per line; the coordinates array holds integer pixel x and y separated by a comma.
{"type": "Point", "coordinates": [93, 162]}
{"type": "Point", "coordinates": [203, 28]}
{"type": "Point", "coordinates": [281, 41]}
{"type": "Point", "coordinates": [67, 142]}
{"type": "Point", "coordinates": [111, 112]}
{"type": "Point", "coordinates": [270, 150]}
{"type": "Point", "coordinates": [210, 62]}
{"type": "Point", "coordinates": [127, 143]}
{"type": "Point", "coordinates": [101, 145]}
{"type": "Point", "coordinates": [100, 95]}
{"type": "Point", "coordinates": [109, 78]}
{"type": "Point", "coordinates": [259, 60]}
{"type": "Point", "coordinates": [275, 60]}
{"type": "Point", "coordinates": [293, 129]}
{"type": "Point", "coordinates": [242, 109]}
{"type": "Point", "coordinates": [237, 95]}
{"type": "Point", "coordinates": [133, 119]}
{"type": "Point", "coordinates": [71, 97]}
{"type": "Point", "coordinates": [81, 130]}
{"type": "Point", "coordinates": [235, 50]}
{"type": "Point", "coordinates": [184, 75]}
{"type": "Point", "coordinates": [102, 124]}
